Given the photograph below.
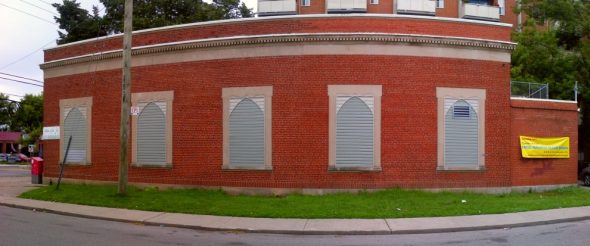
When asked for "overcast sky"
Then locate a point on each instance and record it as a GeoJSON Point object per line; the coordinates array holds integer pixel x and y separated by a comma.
{"type": "Point", "coordinates": [27, 28]}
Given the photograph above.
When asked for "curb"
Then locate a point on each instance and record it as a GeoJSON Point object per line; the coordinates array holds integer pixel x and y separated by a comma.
{"type": "Point", "coordinates": [152, 218]}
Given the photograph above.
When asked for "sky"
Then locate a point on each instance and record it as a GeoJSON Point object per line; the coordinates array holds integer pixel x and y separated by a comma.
{"type": "Point", "coordinates": [27, 28]}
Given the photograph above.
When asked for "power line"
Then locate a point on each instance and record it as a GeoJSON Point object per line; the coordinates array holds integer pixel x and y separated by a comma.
{"type": "Point", "coordinates": [14, 95]}
{"type": "Point", "coordinates": [46, 2]}
{"type": "Point", "coordinates": [48, 43]}
{"type": "Point", "coordinates": [30, 54]}
{"type": "Point", "coordinates": [32, 15]}
{"type": "Point", "coordinates": [22, 77]}
{"type": "Point", "coordinates": [18, 81]}
{"type": "Point", "coordinates": [46, 10]}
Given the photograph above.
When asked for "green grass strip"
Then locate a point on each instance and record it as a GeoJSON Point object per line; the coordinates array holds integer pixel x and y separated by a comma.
{"type": "Point", "coordinates": [391, 203]}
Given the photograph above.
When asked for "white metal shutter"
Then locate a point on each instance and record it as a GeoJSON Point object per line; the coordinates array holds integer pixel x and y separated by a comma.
{"type": "Point", "coordinates": [354, 132]}
{"type": "Point", "coordinates": [75, 126]}
{"type": "Point", "coordinates": [246, 131]}
{"type": "Point", "coordinates": [461, 134]}
{"type": "Point", "coordinates": [151, 135]}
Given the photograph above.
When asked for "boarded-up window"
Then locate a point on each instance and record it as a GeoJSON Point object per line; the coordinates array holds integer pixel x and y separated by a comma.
{"type": "Point", "coordinates": [75, 126]}
{"type": "Point", "coordinates": [151, 134]}
{"type": "Point", "coordinates": [461, 134]}
{"type": "Point", "coordinates": [246, 132]}
{"type": "Point", "coordinates": [354, 131]}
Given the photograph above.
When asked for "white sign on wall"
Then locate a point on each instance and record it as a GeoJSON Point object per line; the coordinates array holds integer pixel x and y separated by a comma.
{"type": "Point", "coordinates": [50, 132]}
{"type": "Point", "coordinates": [134, 110]}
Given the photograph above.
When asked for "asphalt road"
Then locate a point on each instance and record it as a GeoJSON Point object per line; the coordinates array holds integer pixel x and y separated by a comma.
{"type": "Point", "coordinates": [25, 227]}
{"type": "Point", "coordinates": [12, 171]}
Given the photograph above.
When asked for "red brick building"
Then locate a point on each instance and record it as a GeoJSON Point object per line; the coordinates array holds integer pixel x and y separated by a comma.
{"type": "Point", "coordinates": [318, 101]}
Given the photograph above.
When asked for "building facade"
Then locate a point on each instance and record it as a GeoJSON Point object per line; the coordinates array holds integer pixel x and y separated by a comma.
{"type": "Point", "coordinates": [307, 101]}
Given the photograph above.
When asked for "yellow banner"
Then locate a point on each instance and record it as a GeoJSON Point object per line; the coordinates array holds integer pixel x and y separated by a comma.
{"type": "Point", "coordinates": [534, 147]}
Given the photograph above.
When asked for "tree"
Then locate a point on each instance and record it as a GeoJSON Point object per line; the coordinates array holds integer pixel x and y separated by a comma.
{"type": "Point", "coordinates": [28, 118]}
{"type": "Point", "coordinates": [554, 47]}
{"type": "Point", "coordinates": [7, 108]}
{"type": "Point", "coordinates": [77, 23]}
{"type": "Point", "coordinates": [80, 25]}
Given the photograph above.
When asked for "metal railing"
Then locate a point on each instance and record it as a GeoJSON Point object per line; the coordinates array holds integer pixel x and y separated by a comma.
{"type": "Point", "coordinates": [529, 90]}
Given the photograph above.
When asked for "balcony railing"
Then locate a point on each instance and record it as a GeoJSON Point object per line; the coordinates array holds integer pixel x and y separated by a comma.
{"type": "Point", "coordinates": [347, 6]}
{"type": "Point", "coordinates": [481, 12]}
{"type": "Point", "coordinates": [419, 7]}
{"type": "Point", "coordinates": [276, 7]}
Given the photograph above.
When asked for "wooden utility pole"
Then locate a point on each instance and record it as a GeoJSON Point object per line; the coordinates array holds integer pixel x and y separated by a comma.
{"type": "Point", "coordinates": [126, 98]}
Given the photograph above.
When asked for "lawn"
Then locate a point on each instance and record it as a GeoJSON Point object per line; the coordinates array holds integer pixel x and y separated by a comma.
{"type": "Point", "coordinates": [391, 203]}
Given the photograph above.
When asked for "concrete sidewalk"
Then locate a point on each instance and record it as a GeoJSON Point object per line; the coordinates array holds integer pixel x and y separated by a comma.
{"type": "Point", "coordinates": [294, 226]}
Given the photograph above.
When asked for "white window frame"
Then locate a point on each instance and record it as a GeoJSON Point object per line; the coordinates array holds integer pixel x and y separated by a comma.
{"type": "Point", "coordinates": [335, 91]}
{"type": "Point", "coordinates": [258, 91]}
{"type": "Point", "coordinates": [305, 2]}
{"type": "Point", "coordinates": [148, 97]}
{"type": "Point", "coordinates": [440, 4]}
{"type": "Point", "coordinates": [374, 2]}
{"type": "Point", "coordinates": [443, 93]}
{"type": "Point", "coordinates": [502, 6]}
{"type": "Point", "coordinates": [81, 102]}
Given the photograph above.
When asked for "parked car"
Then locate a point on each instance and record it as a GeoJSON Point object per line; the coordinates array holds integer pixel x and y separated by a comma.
{"type": "Point", "coordinates": [585, 176]}
{"type": "Point", "coordinates": [24, 157]}
{"type": "Point", "coordinates": [3, 157]}
{"type": "Point", "coordinates": [12, 158]}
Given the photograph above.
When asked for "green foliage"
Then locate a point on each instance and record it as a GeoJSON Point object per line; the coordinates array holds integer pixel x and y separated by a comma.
{"type": "Point", "coordinates": [554, 47]}
{"type": "Point", "coordinates": [77, 23]}
{"type": "Point", "coordinates": [28, 117]}
{"type": "Point", "coordinates": [539, 58]}
{"type": "Point", "coordinates": [80, 25]}
{"type": "Point", "coordinates": [7, 109]}
{"type": "Point", "coordinates": [391, 203]}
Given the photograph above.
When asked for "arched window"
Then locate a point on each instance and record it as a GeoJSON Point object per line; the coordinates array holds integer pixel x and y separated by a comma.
{"type": "Point", "coordinates": [151, 125]}
{"type": "Point", "coordinates": [246, 132]}
{"type": "Point", "coordinates": [354, 133]}
{"type": "Point", "coordinates": [151, 135]}
{"type": "Point", "coordinates": [75, 126]}
{"type": "Point", "coordinates": [461, 135]}
{"type": "Point", "coordinates": [354, 127]}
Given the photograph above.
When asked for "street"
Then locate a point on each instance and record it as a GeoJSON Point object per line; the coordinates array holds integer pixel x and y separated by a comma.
{"type": "Point", "coordinates": [25, 227]}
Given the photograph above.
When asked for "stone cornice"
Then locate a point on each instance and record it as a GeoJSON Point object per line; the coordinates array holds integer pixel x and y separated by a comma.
{"type": "Point", "coordinates": [290, 38]}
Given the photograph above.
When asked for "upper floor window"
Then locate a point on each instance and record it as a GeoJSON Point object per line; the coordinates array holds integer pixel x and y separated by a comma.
{"type": "Point", "coordinates": [440, 3]}
{"type": "Point", "coordinates": [374, 2]}
{"type": "Point", "coordinates": [305, 2]}
{"type": "Point", "coordinates": [502, 5]}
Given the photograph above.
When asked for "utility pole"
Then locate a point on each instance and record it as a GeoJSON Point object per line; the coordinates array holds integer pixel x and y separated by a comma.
{"type": "Point", "coordinates": [125, 98]}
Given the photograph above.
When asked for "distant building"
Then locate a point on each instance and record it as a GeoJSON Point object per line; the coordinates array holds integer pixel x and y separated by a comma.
{"type": "Point", "coordinates": [416, 96]}
{"type": "Point", "coordinates": [9, 142]}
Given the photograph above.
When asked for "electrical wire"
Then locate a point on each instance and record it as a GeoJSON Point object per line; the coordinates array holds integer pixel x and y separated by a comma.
{"type": "Point", "coordinates": [8, 94]}
{"type": "Point", "coordinates": [26, 56]}
{"type": "Point", "coordinates": [20, 77]}
{"type": "Point", "coordinates": [44, 9]}
{"type": "Point", "coordinates": [22, 82]}
{"type": "Point", "coordinates": [32, 15]}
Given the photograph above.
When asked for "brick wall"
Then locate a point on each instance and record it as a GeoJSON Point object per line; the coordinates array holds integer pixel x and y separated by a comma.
{"type": "Point", "coordinates": [450, 10]}
{"type": "Point", "coordinates": [300, 120]}
{"type": "Point", "coordinates": [543, 119]}
{"type": "Point", "coordinates": [366, 24]}
{"type": "Point", "coordinates": [384, 7]}
{"type": "Point", "coordinates": [315, 7]}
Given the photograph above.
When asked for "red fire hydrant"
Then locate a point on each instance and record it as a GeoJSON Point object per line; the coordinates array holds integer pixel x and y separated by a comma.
{"type": "Point", "coordinates": [37, 170]}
